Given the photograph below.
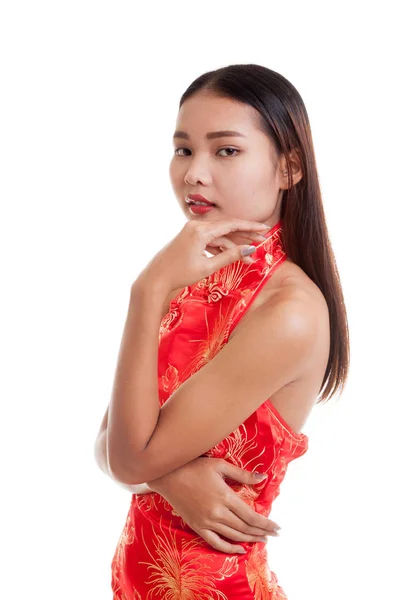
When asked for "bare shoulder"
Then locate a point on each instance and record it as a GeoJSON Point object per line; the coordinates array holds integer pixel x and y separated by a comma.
{"type": "Point", "coordinates": [301, 304]}
{"type": "Point", "coordinates": [295, 283]}
{"type": "Point", "coordinates": [288, 283]}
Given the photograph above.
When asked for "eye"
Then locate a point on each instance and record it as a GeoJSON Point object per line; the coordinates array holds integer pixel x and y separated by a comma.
{"type": "Point", "coordinates": [234, 150]}
{"type": "Point", "coordinates": [177, 150]}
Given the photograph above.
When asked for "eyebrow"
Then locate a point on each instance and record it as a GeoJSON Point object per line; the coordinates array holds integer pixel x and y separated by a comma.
{"type": "Point", "coordinates": [210, 136]}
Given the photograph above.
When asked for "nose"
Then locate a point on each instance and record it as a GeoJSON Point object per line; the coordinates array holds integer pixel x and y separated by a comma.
{"type": "Point", "coordinates": [197, 172]}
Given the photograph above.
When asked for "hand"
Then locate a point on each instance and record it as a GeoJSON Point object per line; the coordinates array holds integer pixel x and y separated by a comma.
{"type": "Point", "coordinates": [207, 504]}
{"type": "Point", "coordinates": [183, 261]}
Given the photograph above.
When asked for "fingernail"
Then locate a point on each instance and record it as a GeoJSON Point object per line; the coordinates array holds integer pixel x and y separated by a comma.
{"type": "Point", "coordinates": [248, 250]}
{"type": "Point", "coordinates": [260, 475]}
{"type": "Point", "coordinates": [241, 551]}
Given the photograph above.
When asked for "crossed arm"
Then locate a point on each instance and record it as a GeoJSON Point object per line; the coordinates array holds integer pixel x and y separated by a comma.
{"type": "Point", "coordinates": [145, 441]}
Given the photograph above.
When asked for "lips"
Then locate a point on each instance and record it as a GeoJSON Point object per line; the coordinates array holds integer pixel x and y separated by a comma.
{"type": "Point", "coordinates": [197, 198]}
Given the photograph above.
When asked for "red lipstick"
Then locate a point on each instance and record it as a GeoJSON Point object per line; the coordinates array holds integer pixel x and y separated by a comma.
{"type": "Point", "coordinates": [198, 198]}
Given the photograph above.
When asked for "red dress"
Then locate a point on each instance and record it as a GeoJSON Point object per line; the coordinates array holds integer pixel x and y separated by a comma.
{"type": "Point", "coordinates": [158, 555]}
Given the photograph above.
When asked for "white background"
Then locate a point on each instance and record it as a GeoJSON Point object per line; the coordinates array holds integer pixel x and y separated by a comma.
{"type": "Point", "coordinates": [89, 98]}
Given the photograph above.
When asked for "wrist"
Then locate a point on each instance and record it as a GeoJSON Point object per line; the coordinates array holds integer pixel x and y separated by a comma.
{"type": "Point", "coordinates": [160, 484]}
{"type": "Point", "coordinates": [144, 286]}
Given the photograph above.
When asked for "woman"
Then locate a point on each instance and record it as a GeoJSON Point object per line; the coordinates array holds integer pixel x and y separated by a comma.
{"type": "Point", "coordinates": [242, 346]}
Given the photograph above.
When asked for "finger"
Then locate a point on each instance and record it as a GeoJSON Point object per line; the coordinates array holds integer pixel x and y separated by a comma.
{"type": "Point", "coordinates": [216, 542]}
{"type": "Point", "coordinates": [230, 256]}
{"type": "Point", "coordinates": [213, 251]}
{"type": "Point", "coordinates": [238, 536]}
{"type": "Point", "coordinates": [235, 503]}
{"type": "Point", "coordinates": [218, 245]}
{"type": "Point", "coordinates": [223, 242]}
{"type": "Point", "coordinates": [231, 520]}
{"type": "Point", "coordinates": [253, 237]}
{"type": "Point", "coordinates": [251, 517]}
{"type": "Point", "coordinates": [248, 236]}
{"type": "Point", "coordinates": [215, 229]}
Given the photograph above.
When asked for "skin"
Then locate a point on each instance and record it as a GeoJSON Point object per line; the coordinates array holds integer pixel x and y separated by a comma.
{"type": "Point", "coordinates": [245, 179]}
{"type": "Point", "coordinates": [238, 174]}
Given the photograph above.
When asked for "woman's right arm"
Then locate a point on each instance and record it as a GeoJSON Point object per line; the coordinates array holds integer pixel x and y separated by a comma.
{"type": "Point", "coordinates": [210, 507]}
{"type": "Point", "coordinates": [100, 448]}
{"type": "Point", "coordinates": [198, 493]}
{"type": "Point", "coordinates": [100, 453]}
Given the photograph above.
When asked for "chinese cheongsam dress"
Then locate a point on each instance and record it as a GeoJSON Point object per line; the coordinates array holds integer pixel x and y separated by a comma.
{"type": "Point", "coordinates": [158, 556]}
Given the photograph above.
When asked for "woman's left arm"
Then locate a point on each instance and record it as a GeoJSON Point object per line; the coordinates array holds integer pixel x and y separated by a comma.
{"type": "Point", "coordinates": [146, 441]}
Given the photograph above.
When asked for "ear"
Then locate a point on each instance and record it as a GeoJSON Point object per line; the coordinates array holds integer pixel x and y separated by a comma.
{"type": "Point", "coordinates": [297, 174]}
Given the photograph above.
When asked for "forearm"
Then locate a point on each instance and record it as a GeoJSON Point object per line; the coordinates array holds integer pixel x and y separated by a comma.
{"type": "Point", "coordinates": [102, 460]}
{"type": "Point", "coordinates": [134, 407]}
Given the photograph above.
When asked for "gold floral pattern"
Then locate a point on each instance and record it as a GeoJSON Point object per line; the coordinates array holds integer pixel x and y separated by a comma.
{"type": "Point", "coordinates": [174, 316]}
{"type": "Point", "coordinates": [220, 283]}
{"type": "Point", "coordinates": [158, 555]}
{"type": "Point", "coordinates": [263, 582]}
{"type": "Point", "coordinates": [238, 446]}
{"type": "Point", "coordinates": [170, 318]}
{"type": "Point", "coordinates": [170, 380]}
{"type": "Point", "coordinates": [209, 347]}
{"type": "Point", "coordinates": [173, 573]}
{"type": "Point", "coordinates": [118, 564]}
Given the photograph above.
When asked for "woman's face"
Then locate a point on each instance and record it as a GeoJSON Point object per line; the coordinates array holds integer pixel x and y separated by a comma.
{"type": "Point", "coordinates": [236, 172]}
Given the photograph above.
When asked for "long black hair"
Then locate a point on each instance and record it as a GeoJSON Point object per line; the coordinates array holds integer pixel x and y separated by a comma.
{"type": "Point", "coordinates": [283, 118]}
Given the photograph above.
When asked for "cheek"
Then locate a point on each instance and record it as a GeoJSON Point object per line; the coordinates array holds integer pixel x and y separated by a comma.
{"type": "Point", "coordinates": [239, 178]}
{"type": "Point", "coordinates": [245, 187]}
{"type": "Point", "coordinates": [251, 176]}
{"type": "Point", "coordinates": [175, 175]}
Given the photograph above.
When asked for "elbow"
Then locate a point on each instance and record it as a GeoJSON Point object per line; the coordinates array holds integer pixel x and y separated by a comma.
{"type": "Point", "coordinates": [127, 462]}
{"type": "Point", "coordinates": [129, 478]}
{"type": "Point", "coordinates": [127, 472]}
